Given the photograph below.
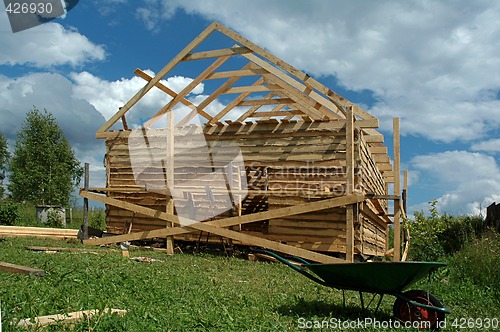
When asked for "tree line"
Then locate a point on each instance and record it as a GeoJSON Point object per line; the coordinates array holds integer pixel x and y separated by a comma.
{"type": "Point", "coordinates": [42, 168]}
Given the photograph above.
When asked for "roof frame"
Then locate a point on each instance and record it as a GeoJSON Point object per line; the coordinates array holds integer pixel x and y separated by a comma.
{"type": "Point", "coordinates": [291, 92]}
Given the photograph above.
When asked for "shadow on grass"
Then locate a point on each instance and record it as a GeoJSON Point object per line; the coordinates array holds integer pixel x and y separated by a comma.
{"type": "Point", "coordinates": [317, 308]}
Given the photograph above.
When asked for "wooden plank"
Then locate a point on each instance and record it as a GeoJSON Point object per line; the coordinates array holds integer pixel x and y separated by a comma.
{"type": "Point", "coordinates": [217, 63]}
{"type": "Point", "coordinates": [241, 89]}
{"type": "Point", "coordinates": [164, 71]}
{"type": "Point", "coordinates": [236, 73]}
{"type": "Point", "coordinates": [215, 226]}
{"type": "Point", "coordinates": [226, 222]}
{"type": "Point", "coordinates": [38, 232]}
{"type": "Point", "coordinates": [278, 113]}
{"type": "Point", "coordinates": [350, 184]}
{"type": "Point", "coordinates": [67, 318]}
{"type": "Point", "coordinates": [221, 89]}
{"type": "Point", "coordinates": [173, 94]}
{"type": "Point", "coordinates": [86, 203]}
{"type": "Point", "coordinates": [14, 268]}
{"type": "Point", "coordinates": [170, 176]}
{"type": "Point", "coordinates": [64, 249]}
{"type": "Point", "coordinates": [397, 191]}
{"type": "Point", "coordinates": [308, 80]}
{"type": "Point", "coordinates": [254, 102]}
{"type": "Point", "coordinates": [217, 53]}
{"type": "Point", "coordinates": [253, 109]}
{"type": "Point", "coordinates": [310, 106]}
{"type": "Point", "coordinates": [234, 103]}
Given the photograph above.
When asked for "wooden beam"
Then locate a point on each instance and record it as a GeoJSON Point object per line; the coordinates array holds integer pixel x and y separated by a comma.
{"type": "Point", "coordinates": [253, 109]}
{"type": "Point", "coordinates": [164, 71]}
{"type": "Point", "coordinates": [170, 177]}
{"type": "Point", "coordinates": [56, 233]}
{"type": "Point", "coordinates": [241, 89]}
{"type": "Point", "coordinates": [68, 318]}
{"type": "Point", "coordinates": [124, 122]}
{"type": "Point", "coordinates": [217, 53]}
{"type": "Point", "coordinates": [226, 222]}
{"type": "Point", "coordinates": [173, 94]}
{"type": "Point", "coordinates": [212, 227]}
{"type": "Point", "coordinates": [217, 63]}
{"type": "Point", "coordinates": [234, 103]}
{"type": "Point", "coordinates": [64, 249]}
{"type": "Point", "coordinates": [397, 191]}
{"type": "Point", "coordinates": [221, 89]}
{"type": "Point", "coordinates": [13, 268]}
{"type": "Point", "coordinates": [275, 113]}
{"type": "Point", "coordinates": [86, 203]}
{"type": "Point", "coordinates": [254, 102]}
{"type": "Point", "coordinates": [215, 226]}
{"type": "Point", "coordinates": [350, 184]}
{"type": "Point", "coordinates": [308, 104]}
{"type": "Point", "coordinates": [236, 73]}
{"type": "Point", "coordinates": [308, 80]}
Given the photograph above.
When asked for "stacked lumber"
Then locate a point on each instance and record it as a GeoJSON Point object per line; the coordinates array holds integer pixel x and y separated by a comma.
{"type": "Point", "coordinates": [55, 233]}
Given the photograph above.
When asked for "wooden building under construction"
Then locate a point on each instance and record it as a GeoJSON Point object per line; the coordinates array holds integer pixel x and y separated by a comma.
{"type": "Point", "coordinates": [269, 157]}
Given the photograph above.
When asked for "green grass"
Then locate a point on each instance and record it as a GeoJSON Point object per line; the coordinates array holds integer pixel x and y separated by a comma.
{"type": "Point", "coordinates": [27, 217]}
{"type": "Point", "coordinates": [195, 292]}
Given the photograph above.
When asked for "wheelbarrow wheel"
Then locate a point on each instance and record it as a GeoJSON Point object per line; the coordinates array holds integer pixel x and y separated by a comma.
{"type": "Point", "coordinates": [409, 313]}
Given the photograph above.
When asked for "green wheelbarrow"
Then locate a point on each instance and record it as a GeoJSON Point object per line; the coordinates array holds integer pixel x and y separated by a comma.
{"type": "Point", "coordinates": [392, 278]}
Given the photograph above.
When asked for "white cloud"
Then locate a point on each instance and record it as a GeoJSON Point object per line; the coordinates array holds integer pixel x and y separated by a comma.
{"type": "Point", "coordinates": [108, 96]}
{"type": "Point", "coordinates": [78, 119]}
{"type": "Point", "coordinates": [473, 180]}
{"type": "Point", "coordinates": [492, 145]}
{"type": "Point", "coordinates": [47, 45]}
{"type": "Point", "coordinates": [428, 62]}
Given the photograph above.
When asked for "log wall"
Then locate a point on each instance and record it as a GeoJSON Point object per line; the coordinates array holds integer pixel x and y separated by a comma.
{"type": "Point", "coordinates": [285, 163]}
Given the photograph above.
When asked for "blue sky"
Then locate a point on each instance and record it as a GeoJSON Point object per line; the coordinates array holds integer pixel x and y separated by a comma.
{"type": "Point", "coordinates": [434, 64]}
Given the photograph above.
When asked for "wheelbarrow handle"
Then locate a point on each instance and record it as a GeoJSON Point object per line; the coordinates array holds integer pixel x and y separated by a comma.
{"type": "Point", "coordinates": [293, 266]}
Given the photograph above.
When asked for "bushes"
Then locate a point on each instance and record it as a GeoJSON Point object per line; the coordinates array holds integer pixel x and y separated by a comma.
{"type": "Point", "coordinates": [9, 213]}
{"type": "Point", "coordinates": [435, 236]}
{"type": "Point", "coordinates": [478, 262]}
{"type": "Point", "coordinates": [97, 219]}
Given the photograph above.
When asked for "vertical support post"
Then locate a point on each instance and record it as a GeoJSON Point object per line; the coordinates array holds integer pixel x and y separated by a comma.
{"type": "Point", "coordinates": [86, 203]}
{"type": "Point", "coordinates": [170, 175]}
{"type": "Point", "coordinates": [397, 191]}
{"type": "Point", "coordinates": [405, 190]}
{"type": "Point", "coordinates": [349, 183]}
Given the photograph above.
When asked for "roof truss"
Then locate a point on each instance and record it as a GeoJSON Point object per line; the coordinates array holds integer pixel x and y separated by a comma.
{"type": "Point", "coordinates": [289, 93]}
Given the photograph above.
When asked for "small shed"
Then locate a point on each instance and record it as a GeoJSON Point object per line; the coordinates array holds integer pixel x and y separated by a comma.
{"type": "Point", "coordinates": [44, 212]}
{"type": "Point", "coordinates": [268, 157]}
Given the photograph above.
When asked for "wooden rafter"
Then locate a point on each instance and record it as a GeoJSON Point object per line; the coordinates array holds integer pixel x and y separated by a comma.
{"type": "Point", "coordinates": [253, 109]}
{"type": "Point", "coordinates": [164, 71]}
{"type": "Point", "coordinates": [173, 94]}
{"type": "Point", "coordinates": [217, 53]}
{"type": "Point", "coordinates": [187, 90]}
{"type": "Point", "coordinates": [216, 227]}
{"type": "Point", "coordinates": [308, 80]}
{"type": "Point", "coordinates": [220, 90]}
{"type": "Point", "coordinates": [234, 103]}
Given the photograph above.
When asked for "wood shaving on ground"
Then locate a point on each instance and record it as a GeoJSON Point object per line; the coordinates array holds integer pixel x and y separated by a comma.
{"type": "Point", "coordinates": [145, 259]}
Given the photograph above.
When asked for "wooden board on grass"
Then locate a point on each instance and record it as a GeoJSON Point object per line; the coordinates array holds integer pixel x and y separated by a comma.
{"type": "Point", "coordinates": [14, 268]}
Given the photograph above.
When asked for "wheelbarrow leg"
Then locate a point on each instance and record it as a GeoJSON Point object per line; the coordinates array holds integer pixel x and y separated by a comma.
{"type": "Point", "coordinates": [379, 301]}
{"type": "Point", "coordinates": [361, 299]}
{"type": "Point", "coordinates": [343, 298]}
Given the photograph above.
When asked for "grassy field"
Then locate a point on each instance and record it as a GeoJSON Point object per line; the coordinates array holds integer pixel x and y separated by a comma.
{"type": "Point", "coordinates": [196, 292]}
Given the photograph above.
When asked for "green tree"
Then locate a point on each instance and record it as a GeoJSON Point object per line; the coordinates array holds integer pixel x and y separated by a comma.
{"type": "Point", "coordinates": [43, 168]}
{"type": "Point", "coordinates": [4, 159]}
